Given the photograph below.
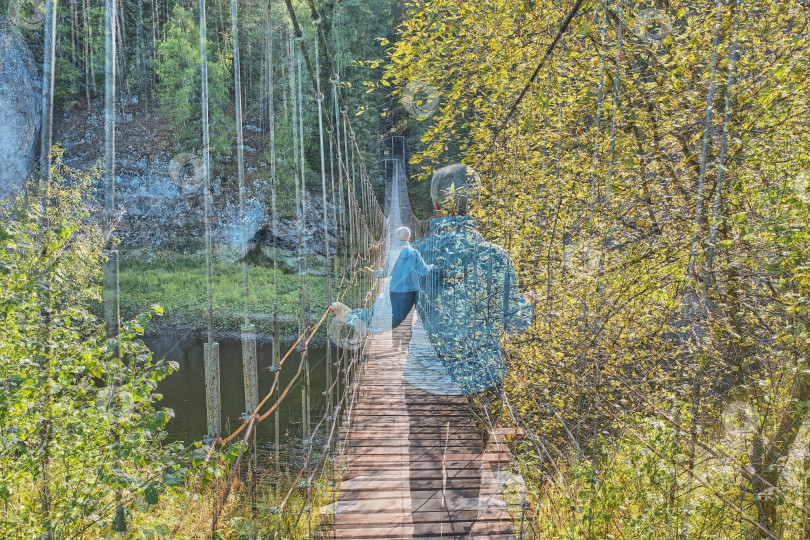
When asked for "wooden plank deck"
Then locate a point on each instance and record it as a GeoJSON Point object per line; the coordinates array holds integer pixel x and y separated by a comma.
{"type": "Point", "coordinates": [414, 466]}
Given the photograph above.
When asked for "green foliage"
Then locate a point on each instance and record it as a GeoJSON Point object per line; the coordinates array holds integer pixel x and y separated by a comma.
{"type": "Point", "coordinates": [179, 88]}
{"type": "Point", "coordinates": [634, 318]}
{"type": "Point", "coordinates": [80, 433]}
{"type": "Point", "coordinates": [633, 491]}
{"type": "Point", "coordinates": [66, 89]}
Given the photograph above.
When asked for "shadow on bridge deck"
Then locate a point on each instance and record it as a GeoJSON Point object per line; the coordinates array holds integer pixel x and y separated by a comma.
{"type": "Point", "coordinates": [414, 466]}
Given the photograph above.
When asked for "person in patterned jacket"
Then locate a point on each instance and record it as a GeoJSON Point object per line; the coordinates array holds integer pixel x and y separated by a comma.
{"type": "Point", "coordinates": [471, 293]}
{"type": "Point", "coordinates": [468, 292]}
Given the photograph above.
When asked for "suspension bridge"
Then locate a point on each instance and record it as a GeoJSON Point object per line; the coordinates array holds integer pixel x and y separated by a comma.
{"type": "Point", "coordinates": [400, 460]}
{"type": "Point", "coordinates": [401, 456]}
{"type": "Point", "coordinates": [394, 451]}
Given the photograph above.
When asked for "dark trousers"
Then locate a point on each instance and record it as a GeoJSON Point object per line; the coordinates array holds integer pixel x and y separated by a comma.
{"type": "Point", "coordinates": [401, 305]}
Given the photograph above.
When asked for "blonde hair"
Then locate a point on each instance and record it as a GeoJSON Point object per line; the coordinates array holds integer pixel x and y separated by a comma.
{"type": "Point", "coordinates": [455, 188]}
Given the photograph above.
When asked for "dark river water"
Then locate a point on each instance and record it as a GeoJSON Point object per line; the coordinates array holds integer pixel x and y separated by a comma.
{"type": "Point", "coordinates": [184, 390]}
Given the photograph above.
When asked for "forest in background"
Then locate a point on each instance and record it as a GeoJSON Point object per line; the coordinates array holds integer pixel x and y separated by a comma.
{"type": "Point", "coordinates": [83, 449]}
{"type": "Point", "coordinates": [158, 71]}
{"type": "Point", "coordinates": [159, 108]}
{"type": "Point", "coordinates": [651, 187]}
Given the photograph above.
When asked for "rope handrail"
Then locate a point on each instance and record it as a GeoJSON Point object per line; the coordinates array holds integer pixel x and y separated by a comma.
{"type": "Point", "coordinates": [329, 439]}
{"type": "Point", "coordinates": [311, 442]}
{"type": "Point", "coordinates": [250, 423]}
{"type": "Point", "coordinates": [255, 413]}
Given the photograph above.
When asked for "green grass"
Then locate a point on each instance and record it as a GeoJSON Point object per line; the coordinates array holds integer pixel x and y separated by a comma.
{"type": "Point", "coordinates": [240, 519]}
{"type": "Point", "coordinates": [176, 282]}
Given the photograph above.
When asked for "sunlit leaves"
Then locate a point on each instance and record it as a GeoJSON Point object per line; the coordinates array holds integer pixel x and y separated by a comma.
{"type": "Point", "coordinates": [630, 322]}
{"type": "Point", "coordinates": [77, 412]}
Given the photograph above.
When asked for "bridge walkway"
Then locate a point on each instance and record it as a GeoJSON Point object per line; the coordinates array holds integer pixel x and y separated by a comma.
{"type": "Point", "coordinates": [414, 463]}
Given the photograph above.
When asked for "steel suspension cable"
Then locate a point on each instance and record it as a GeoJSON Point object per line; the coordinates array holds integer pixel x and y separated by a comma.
{"type": "Point", "coordinates": [302, 253]}
{"type": "Point", "coordinates": [299, 218]}
{"type": "Point", "coordinates": [360, 220]}
{"type": "Point", "coordinates": [546, 56]}
{"type": "Point", "coordinates": [240, 157]}
{"type": "Point", "coordinates": [344, 228]}
{"type": "Point", "coordinates": [276, 351]}
{"type": "Point", "coordinates": [327, 252]}
{"type": "Point", "coordinates": [311, 72]}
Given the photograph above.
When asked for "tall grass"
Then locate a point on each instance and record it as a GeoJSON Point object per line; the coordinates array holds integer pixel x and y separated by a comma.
{"type": "Point", "coordinates": [176, 282]}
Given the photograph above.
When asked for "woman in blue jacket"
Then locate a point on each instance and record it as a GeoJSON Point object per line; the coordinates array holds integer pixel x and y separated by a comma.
{"type": "Point", "coordinates": [403, 285]}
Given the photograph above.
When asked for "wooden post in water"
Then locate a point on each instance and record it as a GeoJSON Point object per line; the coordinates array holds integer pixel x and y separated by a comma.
{"type": "Point", "coordinates": [309, 393]}
{"type": "Point", "coordinates": [251, 378]}
{"type": "Point", "coordinates": [211, 348]}
{"type": "Point", "coordinates": [276, 417]}
{"type": "Point", "coordinates": [305, 425]}
{"type": "Point", "coordinates": [213, 404]}
{"type": "Point", "coordinates": [249, 367]}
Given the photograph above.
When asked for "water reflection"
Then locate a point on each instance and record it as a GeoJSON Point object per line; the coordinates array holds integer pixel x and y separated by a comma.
{"type": "Point", "coordinates": [184, 390]}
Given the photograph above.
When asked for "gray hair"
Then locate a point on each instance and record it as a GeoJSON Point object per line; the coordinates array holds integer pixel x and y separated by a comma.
{"type": "Point", "coordinates": [403, 233]}
{"type": "Point", "coordinates": [455, 187]}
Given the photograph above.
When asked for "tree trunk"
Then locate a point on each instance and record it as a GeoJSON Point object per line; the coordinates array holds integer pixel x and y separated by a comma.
{"type": "Point", "coordinates": [110, 269]}
{"type": "Point", "coordinates": [768, 459]}
{"type": "Point", "coordinates": [73, 40]}
{"type": "Point", "coordinates": [87, 52]}
{"type": "Point", "coordinates": [48, 74]}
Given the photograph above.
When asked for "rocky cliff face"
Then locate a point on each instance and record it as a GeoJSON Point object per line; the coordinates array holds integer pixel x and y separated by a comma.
{"type": "Point", "coordinates": [159, 192]}
{"type": "Point", "coordinates": [20, 105]}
